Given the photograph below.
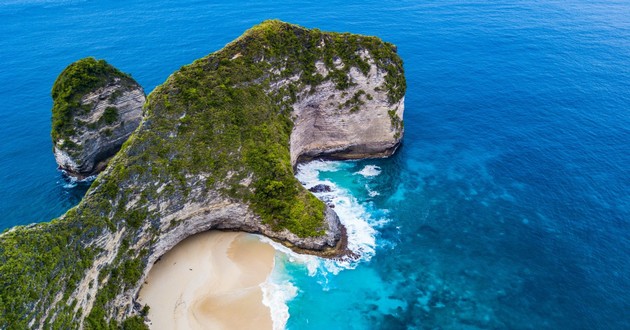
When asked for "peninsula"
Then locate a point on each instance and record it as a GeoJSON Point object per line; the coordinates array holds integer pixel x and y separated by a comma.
{"type": "Point", "coordinates": [216, 149]}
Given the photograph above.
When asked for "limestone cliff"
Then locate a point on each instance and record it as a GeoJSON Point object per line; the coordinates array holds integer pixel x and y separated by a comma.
{"type": "Point", "coordinates": [215, 150]}
{"type": "Point", "coordinates": [360, 121]}
{"type": "Point", "coordinates": [95, 109]}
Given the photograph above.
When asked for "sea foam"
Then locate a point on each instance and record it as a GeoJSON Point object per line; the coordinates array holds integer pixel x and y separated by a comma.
{"type": "Point", "coordinates": [369, 171]}
{"type": "Point", "coordinates": [371, 193]}
{"type": "Point", "coordinates": [361, 227]}
{"type": "Point", "coordinates": [71, 181]}
{"type": "Point", "coordinates": [277, 291]}
{"type": "Point", "coordinates": [359, 223]}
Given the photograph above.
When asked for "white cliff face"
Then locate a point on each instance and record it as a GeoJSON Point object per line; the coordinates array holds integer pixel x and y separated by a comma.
{"type": "Point", "coordinates": [346, 124]}
{"type": "Point", "coordinates": [99, 134]}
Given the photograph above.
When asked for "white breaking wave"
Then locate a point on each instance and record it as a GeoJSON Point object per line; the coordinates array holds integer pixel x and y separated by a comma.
{"type": "Point", "coordinates": [276, 293]}
{"type": "Point", "coordinates": [369, 171]}
{"type": "Point", "coordinates": [360, 227]}
{"type": "Point", "coordinates": [359, 223]}
{"type": "Point", "coordinates": [71, 182]}
{"type": "Point", "coordinates": [371, 193]}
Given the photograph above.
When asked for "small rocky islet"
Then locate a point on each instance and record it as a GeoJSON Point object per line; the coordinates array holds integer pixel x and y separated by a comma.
{"type": "Point", "coordinates": [214, 147]}
{"type": "Point", "coordinates": [96, 107]}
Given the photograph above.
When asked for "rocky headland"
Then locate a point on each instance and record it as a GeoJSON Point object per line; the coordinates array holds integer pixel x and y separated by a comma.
{"type": "Point", "coordinates": [95, 109]}
{"type": "Point", "coordinates": [216, 149]}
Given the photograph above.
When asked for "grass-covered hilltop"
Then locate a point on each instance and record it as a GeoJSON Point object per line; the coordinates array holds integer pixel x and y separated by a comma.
{"type": "Point", "coordinates": [216, 149]}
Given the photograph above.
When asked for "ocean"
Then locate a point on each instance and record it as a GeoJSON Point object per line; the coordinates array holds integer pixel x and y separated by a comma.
{"type": "Point", "coordinates": [506, 207]}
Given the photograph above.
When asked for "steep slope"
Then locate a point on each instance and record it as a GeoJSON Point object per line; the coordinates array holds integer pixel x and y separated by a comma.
{"type": "Point", "coordinates": [215, 150]}
{"type": "Point", "coordinates": [95, 109]}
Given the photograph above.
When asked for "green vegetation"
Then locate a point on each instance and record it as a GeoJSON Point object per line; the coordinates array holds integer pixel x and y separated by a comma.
{"type": "Point", "coordinates": [397, 123]}
{"type": "Point", "coordinates": [110, 115]}
{"type": "Point", "coordinates": [134, 323]}
{"type": "Point", "coordinates": [77, 79]}
{"type": "Point", "coordinates": [37, 262]}
{"type": "Point", "coordinates": [210, 126]}
{"type": "Point", "coordinates": [355, 102]}
{"type": "Point", "coordinates": [115, 95]}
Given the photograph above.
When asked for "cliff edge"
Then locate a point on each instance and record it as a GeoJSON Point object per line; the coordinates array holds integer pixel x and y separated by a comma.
{"type": "Point", "coordinates": [95, 109]}
{"type": "Point", "coordinates": [215, 150]}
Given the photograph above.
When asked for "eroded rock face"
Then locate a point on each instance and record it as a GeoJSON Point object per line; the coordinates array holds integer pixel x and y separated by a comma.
{"type": "Point", "coordinates": [358, 122]}
{"type": "Point", "coordinates": [184, 218]}
{"type": "Point", "coordinates": [101, 120]}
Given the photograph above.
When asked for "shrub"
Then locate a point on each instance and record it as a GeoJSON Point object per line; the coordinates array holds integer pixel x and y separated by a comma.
{"type": "Point", "coordinates": [110, 115]}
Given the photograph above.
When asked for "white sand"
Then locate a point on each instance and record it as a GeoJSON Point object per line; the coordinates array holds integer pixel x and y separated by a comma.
{"type": "Point", "coordinates": [210, 281]}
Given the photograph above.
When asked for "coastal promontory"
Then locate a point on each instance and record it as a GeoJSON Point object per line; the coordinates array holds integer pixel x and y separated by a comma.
{"type": "Point", "coordinates": [216, 149]}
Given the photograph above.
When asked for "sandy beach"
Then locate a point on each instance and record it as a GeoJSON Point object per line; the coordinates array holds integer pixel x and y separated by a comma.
{"type": "Point", "coordinates": [210, 281]}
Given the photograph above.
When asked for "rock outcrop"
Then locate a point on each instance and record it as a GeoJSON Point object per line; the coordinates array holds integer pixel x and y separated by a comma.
{"type": "Point", "coordinates": [96, 108]}
{"type": "Point", "coordinates": [360, 121]}
{"type": "Point", "coordinates": [215, 150]}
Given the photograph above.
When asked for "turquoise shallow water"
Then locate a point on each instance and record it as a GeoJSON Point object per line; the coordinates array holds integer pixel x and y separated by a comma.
{"type": "Point", "coordinates": [508, 205]}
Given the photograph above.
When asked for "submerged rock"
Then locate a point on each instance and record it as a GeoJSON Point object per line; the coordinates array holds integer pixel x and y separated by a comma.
{"type": "Point", "coordinates": [320, 188]}
{"type": "Point", "coordinates": [95, 109]}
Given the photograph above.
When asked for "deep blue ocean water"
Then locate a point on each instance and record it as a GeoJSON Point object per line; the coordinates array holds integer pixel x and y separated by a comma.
{"type": "Point", "coordinates": [508, 205]}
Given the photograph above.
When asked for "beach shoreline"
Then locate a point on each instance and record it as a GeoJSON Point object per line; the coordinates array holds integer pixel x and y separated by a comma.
{"type": "Point", "coordinates": [210, 280]}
